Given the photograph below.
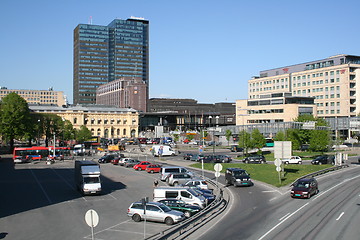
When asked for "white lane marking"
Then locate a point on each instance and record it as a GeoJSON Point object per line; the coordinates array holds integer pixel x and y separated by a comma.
{"type": "Point", "coordinates": [270, 191]}
{"type": "Point", "coordinates": [41, 187]}
{"type": "Point", "coordinates": [284, 216]}
{"type": "Point", "coordinates": [272, 229]}
{"type": "Point", "coordinates": [340, 216]}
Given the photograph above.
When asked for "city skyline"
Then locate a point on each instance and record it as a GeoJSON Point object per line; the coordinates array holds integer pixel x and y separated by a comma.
{"type": "Point", "coordinates": [204, 50]}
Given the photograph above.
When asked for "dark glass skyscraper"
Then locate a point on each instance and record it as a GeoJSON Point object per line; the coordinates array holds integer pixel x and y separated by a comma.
{"type": "Point", "coordinates": [105, 53]}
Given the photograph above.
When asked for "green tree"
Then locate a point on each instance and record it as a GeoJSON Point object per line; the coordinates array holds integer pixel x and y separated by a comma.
{"type": "Point", "coordinates": [228, 135]}
{"type": "Point", "coordinates": [176, 137]}
{"type": "Point", "coordinates": [258, 140]}
{"type": "Point", "coordinates": [83, 134]}
{"type": "Point", "coordinates": [280, 136]}
{"type": "Point", "coordinates": [319, 141]}
{"type": "Point", "coordinates": [245, 141]}
{"type": "Point", "coordinates": [14, 118]}
{"type": "Point", "coordinates": [52, 124]}
{"type": "Point", "coordinates": [292, 135]}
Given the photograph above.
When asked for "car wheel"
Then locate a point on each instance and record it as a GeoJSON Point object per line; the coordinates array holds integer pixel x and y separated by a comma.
{"type": "Point", "coordinates": [262, 162]}
{"type": "Point", "coordinates": [175, 184]}
{"type": "Point", "coordinates": [152, 171]}
{"type": "Point", "coordinates": [169, 221]}
{"type": "Point", "coordinates": [187, 214]}
{"type": "Point", "coordinates": [320, 163]}
{"type": "Point", "coordinates": [246, 161]}
{"type": "Point", "coordinates": [136, 218]}
{"type": "Point", "coordinates": [300, 162]}
{"type": "Point", "coordinates": [139, 169]}
{"type": "Point", "coordinates": [286, 162]}
{"type": "Point", "coordinates": [227, 182]}
{"type": "Point", "coordinates": [309, 195]}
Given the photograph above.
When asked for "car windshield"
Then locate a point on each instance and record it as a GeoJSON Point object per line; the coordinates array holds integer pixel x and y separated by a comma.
{"type": "Point", "coordinates": [240, 173]}
{"type": "Point", "coordinates": [193, 192]}
{"type": "Point", "coordinates": [165, 208]}
{"type": "Point", "coordinates": [302, 184]}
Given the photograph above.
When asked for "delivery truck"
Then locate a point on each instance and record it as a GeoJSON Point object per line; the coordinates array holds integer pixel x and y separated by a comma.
{"type": "Point", "coordinates": [87, 177]}
{"type": "Point", "coordinates": [162, 150]}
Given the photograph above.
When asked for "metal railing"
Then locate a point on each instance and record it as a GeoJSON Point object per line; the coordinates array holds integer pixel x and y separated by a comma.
{"type": "Point", "coordinates": [190, 225]}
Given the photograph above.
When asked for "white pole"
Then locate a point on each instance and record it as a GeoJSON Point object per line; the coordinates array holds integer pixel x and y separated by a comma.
{"type": "Point", "coordinates": [54, 145]}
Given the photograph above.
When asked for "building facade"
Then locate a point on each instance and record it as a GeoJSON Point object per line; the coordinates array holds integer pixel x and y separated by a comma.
{"type": "Point", "coordinates": [106, 53]}
{"type": "Point", "coordinates": [334, 83]}
{"type": "Point", "coordinates": [101, 120]}
{"type": "Point", "coordinates": [37, 96]}
{"type": "Point", "coordinates": [124, 93]}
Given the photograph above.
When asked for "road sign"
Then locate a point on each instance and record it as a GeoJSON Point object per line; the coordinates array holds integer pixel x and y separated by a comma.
{"type": "Point", "coordinates": [278, 169]}
{"type": "Point", "coordinates": [277, 162]}
{"type": "Point", "coordinates": [218, 167]}
{"type": "Point", "coordinates": [91, 218]}
{"type": "Point", "coordinates": [217, 174]}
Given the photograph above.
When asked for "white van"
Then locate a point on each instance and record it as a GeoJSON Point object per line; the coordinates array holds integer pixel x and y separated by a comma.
{"type": "Point", "coordinates": [186, 194]}
{"type": "Point", "coordinates": [162, 150]}
{"type": "Point", "coordinates": [165, 171]}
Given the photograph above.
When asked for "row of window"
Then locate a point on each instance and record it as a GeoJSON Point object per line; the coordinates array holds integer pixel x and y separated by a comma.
{"type": "Point", "coordinates": [332, 104]}
{"type": "Point", "coordinates": [262, 111]}
{"type": "Point", "coordinates": [105, 121]}
{"type": "Point", "coordinates": [29, 93]}
{"type": "Point", "coordinates": [319, 112]}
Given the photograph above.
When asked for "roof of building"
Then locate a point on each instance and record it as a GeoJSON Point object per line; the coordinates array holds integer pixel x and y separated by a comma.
{"type": "Point", "coordinates": [82, 108]}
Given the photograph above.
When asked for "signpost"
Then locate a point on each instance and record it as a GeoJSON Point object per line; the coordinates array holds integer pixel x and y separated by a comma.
{"type": "Point", "coordinates": [278, 163]}
{"type": "Point", "coordinates": [217, 167]}
{"type": "Point", "coordinates": [92, 219]}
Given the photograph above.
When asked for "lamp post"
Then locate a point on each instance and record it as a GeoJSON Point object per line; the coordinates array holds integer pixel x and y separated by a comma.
{"type": "Point", "coordinates": [38, 139]}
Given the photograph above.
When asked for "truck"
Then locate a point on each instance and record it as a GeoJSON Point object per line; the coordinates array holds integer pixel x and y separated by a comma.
{"type": "Point", "coordinates": [79, 149]}
{"type": "Point", "coordinates": [87, 177]}
{"type": "Point", "coordinates": [162, 150]}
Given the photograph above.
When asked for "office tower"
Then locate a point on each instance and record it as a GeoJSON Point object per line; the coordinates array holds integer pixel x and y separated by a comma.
{"type": "Point", "coordinates": [106, 53]}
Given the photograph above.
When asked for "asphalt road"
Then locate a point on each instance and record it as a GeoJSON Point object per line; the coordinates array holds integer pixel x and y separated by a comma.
{"type": "Point", "coordinates": [262, 214]}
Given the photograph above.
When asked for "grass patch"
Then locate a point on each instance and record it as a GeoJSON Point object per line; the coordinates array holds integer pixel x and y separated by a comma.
{"type": "Point", "coordinates": [303, 155]}
{"type": "Point", "coordinates": [267, 172]}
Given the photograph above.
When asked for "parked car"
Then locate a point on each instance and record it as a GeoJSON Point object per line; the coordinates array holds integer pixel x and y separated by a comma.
{"type": "Point", "coordinates": [155, 211]}
{"type": "Point", "coordinates": [236, 148]}
{"type": "Point", "coordinates": [255, 159]}
{"type": "Point", "coordinates": [153, 168]}
{"type": "Point", "coordinates": [131, 163]}
{"type": "Point", "coordinates": [323, 159]}
{"type": "Point", "coordinates": [116, 160]}
{"type": "Point", "coordinates": [304, 188]}
{"type": "Point", "coordinates": [212, 143]}
{"type": "Point", "coordinates": [187, 156]}
{"type": "Point", "coordinates": [166, 171]}
{"type": "Point", "coordinates": [182, 206]}
{"type": "Point", "coordinates": [200, 183]}
{"type": "Point", "coordinates": [208, 159]}
{"type": "Point", "coordinates": [222, 159]}
{"type": "Point", "coordinates": [175, 179]}
{"type": "Point", "coordinates": [197, 157]}
{"type": "Point", "coordinates": [292, 160]}
{"type": "Point", "coordinates": [123, 161]}
{"type": "Point", "coordinates": [237, 177]}
{"type": "Point", "coordinates": [23, 159]}
{"type": "Point", "coordinates": [106, 158]}
{"type": "Point", "coordinates": [209, 197]}
{"type": "Point", "coordinates": [141, 165]}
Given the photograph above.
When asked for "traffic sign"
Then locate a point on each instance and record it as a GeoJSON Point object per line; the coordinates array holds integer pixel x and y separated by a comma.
{"type": "Point", "coordinates": [217, 174]}
{"type": "Point", "coordinates": [278, 169]}
{"type": "Point", "coordinates": [277, 162]}
{"type": "Point", "coordinates": [218, 167]}
{"type": "Point", "coordinates": [91, 218]}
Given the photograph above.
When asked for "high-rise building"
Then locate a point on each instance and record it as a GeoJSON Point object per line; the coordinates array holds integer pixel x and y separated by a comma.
{"type": "Point", "coordinates": [106, 53]}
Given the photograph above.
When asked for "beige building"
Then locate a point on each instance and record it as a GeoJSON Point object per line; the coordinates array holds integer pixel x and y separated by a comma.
{"type": "Point", "coordinates": [37, 96]}
{"type": "Point", "coordinates": [101, 120]}
{"type": "Point", "coordinates": [334, 83]}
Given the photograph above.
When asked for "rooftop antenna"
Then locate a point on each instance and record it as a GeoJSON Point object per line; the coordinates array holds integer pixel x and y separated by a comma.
{"type": "Point", "coordinates": [90, 20]}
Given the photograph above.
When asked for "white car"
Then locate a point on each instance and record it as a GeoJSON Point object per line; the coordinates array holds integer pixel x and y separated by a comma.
{"type": "Point", "coordinates": [293, 160]}
{"type": "Point", "coordinates": [200, 183]}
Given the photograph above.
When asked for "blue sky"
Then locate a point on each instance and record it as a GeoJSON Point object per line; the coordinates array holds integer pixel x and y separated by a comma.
{"type": "Point", "coordinates": [201, 49]}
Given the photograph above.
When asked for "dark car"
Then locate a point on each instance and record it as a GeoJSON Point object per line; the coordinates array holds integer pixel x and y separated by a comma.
{"type": "Point", "coordinates": [255, 159]}
{"type": "Point", "coordinates": [106, 158]}
{"type": "Point", "coordinates": [304, 188]}
{"type": "Point", "coordinates": [187, 156]}
{"type": "Point", "coordinates": [222, 159]}
{"type": "Point", "coordinates": [180, 205]}
{"type": "Point", "coordinates": [235, 148]}
{"type": "Point", "coordinates": [208, 159]}
{"type": "Point", "coordinates": [323, 159]}
{"type": "Point", "coordinates": [197, 157]}
{"type": "Point", "coordinates": [205, 193]}
{"type": "Point", "coordinates": [237, 177]}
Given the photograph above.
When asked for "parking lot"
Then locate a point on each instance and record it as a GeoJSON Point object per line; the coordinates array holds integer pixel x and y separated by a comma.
{"type": "Point", "coordinates": [41, 202]}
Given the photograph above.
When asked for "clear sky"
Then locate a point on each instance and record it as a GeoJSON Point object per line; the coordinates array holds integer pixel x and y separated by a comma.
{"type": "Point", "coordinates": [201, 49]}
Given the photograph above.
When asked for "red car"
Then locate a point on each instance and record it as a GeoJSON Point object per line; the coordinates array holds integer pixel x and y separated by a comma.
{"type": "Point", "coordinates": [141, 166]}
{"type": "Point", "coordinates": [153, 168]}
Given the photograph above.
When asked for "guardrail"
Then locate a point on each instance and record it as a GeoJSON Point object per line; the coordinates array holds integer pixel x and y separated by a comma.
{"type": "Point", "coordinates": [323, 171]}
{"type": "Point", "coordinates": [190, 225]}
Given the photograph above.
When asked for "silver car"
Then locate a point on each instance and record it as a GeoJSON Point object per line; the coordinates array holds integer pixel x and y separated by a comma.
{"type": "Point", "coordinates": [155, 211]}
{"type": "Point", "coordinates": [176, 179]}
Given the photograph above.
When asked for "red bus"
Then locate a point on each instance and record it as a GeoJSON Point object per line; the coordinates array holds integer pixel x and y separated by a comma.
{"type": "Point", "coordinates": [21, 154]}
